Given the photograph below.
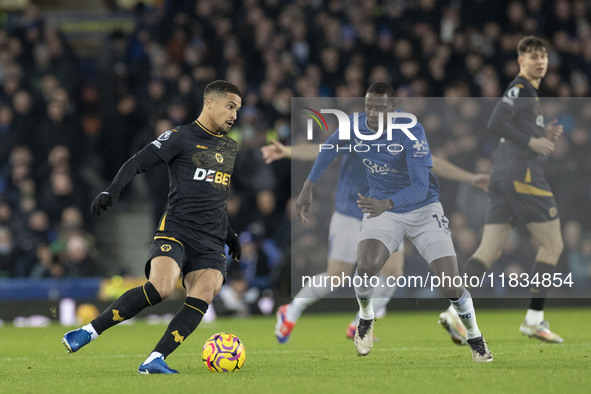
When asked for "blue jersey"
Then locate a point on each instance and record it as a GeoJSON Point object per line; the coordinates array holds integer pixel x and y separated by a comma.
{"type": "Point", "coordinates": [401, 175]}
{"type": "Point", "coordinates": [352, 180]}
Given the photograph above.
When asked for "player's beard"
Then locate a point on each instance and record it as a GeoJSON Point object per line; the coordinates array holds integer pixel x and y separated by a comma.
{"type": "Point", "coordinates": [221, 129]}
{"type": "Point", "coordinates": [372, 125]}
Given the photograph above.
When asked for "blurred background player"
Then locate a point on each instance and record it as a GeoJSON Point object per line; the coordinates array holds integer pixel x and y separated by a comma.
{"type": "Point", "coordinates": [189, 242]}
{"type": "Point", "coordinates": [343, 244]}
{"type": "Point", "coordinates": [402, 202]}
{"type": "Point", "coordinates": [518, 191]}
{"type": "Point", "coordinates": [344, 229]}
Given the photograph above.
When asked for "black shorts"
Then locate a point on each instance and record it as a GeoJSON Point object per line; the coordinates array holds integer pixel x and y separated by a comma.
{"type": "Point", "coordinates": [516, 202]}
{"type": "Point", "coordinates": [187, 258]}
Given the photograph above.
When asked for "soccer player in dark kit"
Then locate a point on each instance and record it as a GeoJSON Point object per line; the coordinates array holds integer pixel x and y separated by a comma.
{"type": "Point", "coordinates": [519, 192]}
{"type": "Point", "coordinates": [191, 235]}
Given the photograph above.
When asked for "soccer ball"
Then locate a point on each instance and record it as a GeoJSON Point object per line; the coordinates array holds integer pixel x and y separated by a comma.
{"type": "Point", "coordinates": [223, 352]}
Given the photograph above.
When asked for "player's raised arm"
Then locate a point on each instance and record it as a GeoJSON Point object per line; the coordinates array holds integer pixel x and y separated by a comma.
{"type": "Point", "coordinates": [323, 160]}
{"type": "Point", "coordinates": [276, 151]}
{"type": "Point", "coordinates": [142, 161]}
{"type": "Point", "coordinates": [446, 170]}
{"type": "Point", "coordinates": [304, 200]}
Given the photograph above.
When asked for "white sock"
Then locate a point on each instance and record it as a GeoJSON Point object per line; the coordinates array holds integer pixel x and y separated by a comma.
{"type": "Point", "coordinates": [452, 310]}
{"type": "Point", "coordinates": [381, 296]}
{"type": "Point", "coordinates": [308, 295]}
{"type": "Point", "coordinates": [533, 317]}
{"type": "Point", "coordinates": [465, 309]}
{"type": "Point", "coordinates": [364, 299]}
{"type": "Point", "coordinates": [93, 334]}
{"type": "Point", "coordinates": [153, 356]}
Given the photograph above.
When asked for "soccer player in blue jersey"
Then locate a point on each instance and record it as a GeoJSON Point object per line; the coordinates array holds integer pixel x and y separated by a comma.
{"type": "Point", "coordinates": [403, 201]}
{"type": "Point", "coordinates": [345, 221]}
{"type": "Point", "coordinates": [343, 232]}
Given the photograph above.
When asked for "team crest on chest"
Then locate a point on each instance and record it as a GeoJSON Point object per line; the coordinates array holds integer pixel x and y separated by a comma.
{"type": "Point", "coordinates": [219, 158]}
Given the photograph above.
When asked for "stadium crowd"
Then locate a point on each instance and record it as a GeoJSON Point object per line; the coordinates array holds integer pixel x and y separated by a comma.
{"type": "Point", "coordinates": [66, 126]}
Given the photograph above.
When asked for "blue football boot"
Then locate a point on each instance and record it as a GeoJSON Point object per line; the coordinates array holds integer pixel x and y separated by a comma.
{"type": "Point", "coordinates": [155, 366]}
{"type": "Point", "coordinates": [75, 339]}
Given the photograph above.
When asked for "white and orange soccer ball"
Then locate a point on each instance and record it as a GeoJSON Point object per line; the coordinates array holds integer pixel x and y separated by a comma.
{"type": "Point", "coordinates": [223, 352]}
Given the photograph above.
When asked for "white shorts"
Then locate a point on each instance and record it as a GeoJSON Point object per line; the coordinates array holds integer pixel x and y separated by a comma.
{"type": "Point", "coordinates": [427, 228]}
{"type": "Point", "coordinates": [343, 237]}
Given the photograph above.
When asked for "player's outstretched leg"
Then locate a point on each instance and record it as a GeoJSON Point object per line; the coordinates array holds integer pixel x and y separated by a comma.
{"type": "Point", "coordinates": [288, 314]}
{"type": "Point", "coordinates": [125, 307]}
{"type": "Point", "coordinates": [449, 319]}
{"type": "Point", "coordinates": [284, 327]}
{"type": "Point", "coordinates": [364, 334]}
{"type": "Point", "coordinates": [534, 325]}
{"type": "Point", "coordinates": [465, 310]}
{"type": "Point", "coordinates": [364, 337]}
{"type": "Point", "coordinates": [540, 331]}
{"type": "Point", "coordinates": [382, 295]}
{"type": "Point", "coordinates": [480, 352]}
{"type": "Point", "coordinates": [451, 322]}
{"type": "Point", "coordinates": [155, 364]}
{"type": "Point", "coordinates": [372, 254]}
{"type": "Point", "coordinates": [548, 235]}
{"type": "Point", "coordinates": [180, 327]}
{"type": "Point", "coordinates": [76, 339]}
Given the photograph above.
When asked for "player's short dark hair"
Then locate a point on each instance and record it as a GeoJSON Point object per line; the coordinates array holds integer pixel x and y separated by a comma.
{"type": "Point", "coordinates": [531, 43]}
{"type": "Point", "coordinates": [221, 87]}
{"type": "Point", "coordinates": [381, 88]}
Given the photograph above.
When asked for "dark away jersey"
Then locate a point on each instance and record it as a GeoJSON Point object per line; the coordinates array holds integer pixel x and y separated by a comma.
{"type": "Point", "coordinates": [200, 166]}
{"type": "Point", "coordinates": [519, 112]}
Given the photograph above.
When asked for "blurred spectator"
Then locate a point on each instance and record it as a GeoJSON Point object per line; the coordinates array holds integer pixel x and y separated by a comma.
{"type": "Point", "coordinates": [78, 260]}
{"type": "Point", "coordinates": [43, 261]}
{"type": "Point", "coordinates": [25, 117]}
{"type": "Point", "coordinates": [113, 79]}
{"type": "Point", "coordinates": [153, 103]}
{"type": "Point", "coordinates": [118, 133]}
{"type": "Point", "coordinates": [8, 137]}
{"type": "Point", "coordinates": [35, 232]}
{"type": "Point", "coordinates": [254, 262]}
{"type": "Point", "coordinates": [248, 278]}
{"type": "Point", "coordinates": [579, 261]}
{"type": "Point", "coordinates": [60, 194]}
{"type": "Point", "coordinates": [10, 254]}
{"type": "Point", "coordinates": [157, 180]}
{"type": "Point", "coordinates": [577, 250]}
{"type": "Point", "coordinates": [58, 129]}
{"type": "Point", "coordinates": [236, 297]}
{"type": "Point", "coordinates": [267, 217]}
{"type": "Point", "coordinates": [151, 79]}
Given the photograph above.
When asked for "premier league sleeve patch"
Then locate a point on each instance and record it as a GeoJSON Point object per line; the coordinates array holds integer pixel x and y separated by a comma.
{"type": "Point", "coordinates": [164, 136]}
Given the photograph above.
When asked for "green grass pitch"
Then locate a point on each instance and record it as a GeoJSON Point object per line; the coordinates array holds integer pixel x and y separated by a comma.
{"type": "Point", "coordinates": [413, 354]}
